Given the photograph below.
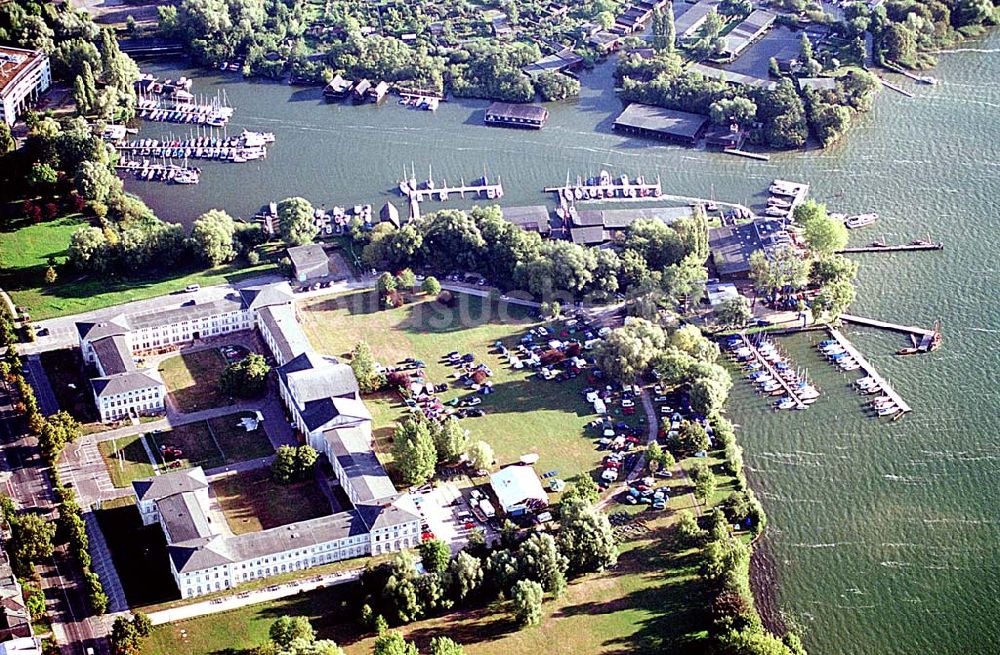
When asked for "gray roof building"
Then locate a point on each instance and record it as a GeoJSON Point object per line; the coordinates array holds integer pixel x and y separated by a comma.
{"type": "Point", "coordinates": [688, 22]}
{"type": "Point", "coordinates": [316, 376]}
{"type": "Point", "coordinates": [309, 261]}
{"type": "Point", "coordinates": [534, 218]}
{"type": "Point", "coordinates": [113, 354]}
{"type": "Point", "coordinates": [120, 383]}
{"type": "Point", "coordinates": [268, 295]}
{"type": "Point", "coordinates": [289, 339]}
{"type": "Point", "coordinates": [352, 448]}
{"type": "Point", "coordinates": [732, 78]}
{"type": "Point", "coordinates": [183, 518]}
{"type": "Point", "coordinates": [661, 123]}
{"type": "Point", "coordinates": [749, 30]}
{"type": "Point", "coordinates": [117, 326]}
{"type": "Point", "coordinates": [188, 312]}
{"type": "Point", "coordinates": [377, 517]}
{"type": "Point", "coordinates": [389, 214]}
{"type": "Point", "coordinates": [732, 246]}
{"type": "Point", "coordinates": [168, 484]}
{"type": "Point", "coordinates": [330, 412]}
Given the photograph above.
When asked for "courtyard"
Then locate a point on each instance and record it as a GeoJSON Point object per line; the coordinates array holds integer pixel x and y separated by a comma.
{"type": "Point", "coordinates": [192, 379]}
{"type": "Point", "coordinates": [252, 502]}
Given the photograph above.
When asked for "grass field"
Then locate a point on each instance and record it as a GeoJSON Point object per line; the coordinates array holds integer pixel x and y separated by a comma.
{"type": "Point", "coordinates": [525, 414]}
{"type": "Point", "coordinates": [24, 256]}
{"type": "Point", "coordinates": [134, 463]}
{"type": "Point", "coordinates": [237, 444]}
{"type": "Point", "coordinates": [70, 383]}
{"type": "Point", "coordinates": [194, 440]}
{"type": "Point", "coordinates": [139, 553]}
{"type": "Point", "coordinates": [252, 502]}
{"type": "Point", "coordinates": [192, 379]}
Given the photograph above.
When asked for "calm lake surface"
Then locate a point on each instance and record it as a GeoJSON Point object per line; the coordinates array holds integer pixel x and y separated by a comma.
{"type": "Point", "coordinates": [885, 536]}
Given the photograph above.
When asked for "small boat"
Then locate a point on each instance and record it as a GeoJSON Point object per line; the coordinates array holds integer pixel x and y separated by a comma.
{"type": "Point", "coordinates": [866, 382]}
{"type": "Point", "coordinates": [853, 366]}
{"type": "Point", "coordinates": [785, 403]}
{"type": "Point", "coordinates": [605, 178]}
{"type": "Point", "coordinates": [776, 211]}
{"type": "Point", "coordinates": [880, 244]}
{"type": "Point", "coordinates": [774, 201]}
{"type": "Point", "coordinates": [883, 401]}
{"type": "Point", "coordinates": [861, 220]}
{"type": "Point", "coordinates": [888, 410]}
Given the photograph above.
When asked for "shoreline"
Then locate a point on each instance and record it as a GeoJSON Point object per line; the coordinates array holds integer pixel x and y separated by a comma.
{"type": "Point", "coordinates": [764, 574]}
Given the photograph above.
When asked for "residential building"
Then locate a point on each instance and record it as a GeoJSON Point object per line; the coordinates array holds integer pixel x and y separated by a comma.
{"type": "Point", "coordinates": [15, 619]}
{"type": "Point", "coordinates": [24, 76]}
{"type": "Point", "coordinates": [309, 262]}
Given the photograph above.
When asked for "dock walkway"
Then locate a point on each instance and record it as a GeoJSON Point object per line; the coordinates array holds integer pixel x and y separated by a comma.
{"type": "Point", "coordinates": [871, 322]}
{"type": "Point", "coordinates": [870, 371]}
{"type": "Point", "coordinates": [774, 373]}
{"type": "Point", "coordinates": [900, 248]}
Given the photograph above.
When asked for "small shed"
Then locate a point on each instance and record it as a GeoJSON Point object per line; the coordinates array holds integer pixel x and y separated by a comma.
{"type": "Point", "coordinates": [518, 489]}
{"type": "Point", "coordinates": [309, 262]}
{"type": "Point", "coordinates": [389, 214]}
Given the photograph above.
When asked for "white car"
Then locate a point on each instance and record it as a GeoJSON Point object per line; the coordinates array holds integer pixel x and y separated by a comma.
{"type": "Point", "coordinates": [628, 403]}
{"type": "Point", "coordinates": [610, 475]}
{"type": "Point", "coordinates": [604, 331]}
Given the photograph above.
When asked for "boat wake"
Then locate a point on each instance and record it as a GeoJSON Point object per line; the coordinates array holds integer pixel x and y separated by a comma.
{"type": "Point", "coordinates": [951, 51]}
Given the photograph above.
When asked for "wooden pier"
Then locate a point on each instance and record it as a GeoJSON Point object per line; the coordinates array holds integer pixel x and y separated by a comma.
{"type": "Point", "coordinates": [759, 156]}
{"type": "Point", "coordinates": [870, 371]}
{"type": "Point", "coordinates": [429, 191]}
{"type": "Point", "coordinates": [884, 325]}
{"type": "Point", "coordinates": [900, 248]}
{"type": "Point", "coordinates": [894, 87]}
{"type": "Point", "coordinates": [774, 373]}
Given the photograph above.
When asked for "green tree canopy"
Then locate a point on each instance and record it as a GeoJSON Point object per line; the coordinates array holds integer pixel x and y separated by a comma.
{"type": "Point", "coordinates": [246, 378]}
{"type": "Point", "coordinates": [413, 452]}
{"type": "Point", "coordinates": [527, 601]}
{"type": "Point", "coordinates": [295, 221]}
{"type": "Point", "coordinates": [212, 237]}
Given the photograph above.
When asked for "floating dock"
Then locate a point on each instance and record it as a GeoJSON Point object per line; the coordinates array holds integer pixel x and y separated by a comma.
{"type": "Point", "coordinates": [870, 371]}
{"type": "Point", "coordinates": [759, 156]}
{"type": "Point", "coordinates": [900, 248]}
{"type": "Point", "coordinates": [894, 87]}
{"type": "Point", "coordinates": [884, 325]}
{"type": "Point", "coordinates": [484, 190]}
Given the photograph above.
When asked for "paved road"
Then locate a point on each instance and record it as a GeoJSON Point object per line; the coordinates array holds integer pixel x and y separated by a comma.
{"type": "Point", "coordinates": [39, 382]}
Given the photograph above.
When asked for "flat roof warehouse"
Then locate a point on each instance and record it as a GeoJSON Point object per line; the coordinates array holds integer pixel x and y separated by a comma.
{"type": "Point", "coordinates": [661, 123]}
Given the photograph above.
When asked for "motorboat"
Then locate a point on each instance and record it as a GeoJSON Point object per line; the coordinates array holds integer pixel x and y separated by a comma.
{"type": "Point", "coordinates": [853, 366]}
{"type": "Point", "coordinates": [776, 211]}
{"type": "Point", "coordinates": [785, 403]}
{"type": "Point", "coordinates": [861, 220]}
{"type": "Point", "coordinates": [866, 382]}
{"type": "Point", "coordinates": [888, 410]}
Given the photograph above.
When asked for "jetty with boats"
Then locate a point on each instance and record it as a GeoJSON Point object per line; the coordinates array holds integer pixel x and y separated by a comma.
{"type": "Point", "coordinates": [771, 371]}
{"type": "Point", "coordinates": [886, 401]}
{"type": "Point", "coordinates": [924, 340]}
{"type": "Point", "coordinates": [607, 187]}
{"type": "Point", "coordinates": [163, 172]}
{"type": "Point", "coordinates": [881, 246]}
{"type": "Point", "coordinates": [247, 146]}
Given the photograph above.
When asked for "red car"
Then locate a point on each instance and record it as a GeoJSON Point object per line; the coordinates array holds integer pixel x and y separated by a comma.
{"type": "Point", "coordinates": [427, 535]}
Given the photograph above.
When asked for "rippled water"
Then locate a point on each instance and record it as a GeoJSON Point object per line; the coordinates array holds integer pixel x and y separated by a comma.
{"type": "Point", "coordinates": [886, 536]}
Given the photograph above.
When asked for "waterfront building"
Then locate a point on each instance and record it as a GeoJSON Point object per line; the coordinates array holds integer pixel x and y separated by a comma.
{"type": "Point", "coordinates": [557, 62]}
{"type": "Point", "coordinates": [511, 115]}
{"type": "Point", "coordinates": [338, 88]}
{"type": "Point", "coordinates": [534, 218]}
{"type": "Point", "coordinates": [591, 227]}
{"type": "Point", "coordinates": [729, 77]}
{"type": "Point", "coordinates": [661, 123]}
{"type": "Point", "coordinates": [733, 245]}
{"type": "Point", "coordinates": [746, 33]}
{"type": "Point", "coordinates": [691, 20]}
{"type": "Point", "coordinates": [24, 76]}
{"type": "Point", "coordinates": [309, 262]}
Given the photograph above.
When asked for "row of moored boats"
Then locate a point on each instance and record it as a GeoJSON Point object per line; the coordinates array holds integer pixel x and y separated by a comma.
{"type": "Point", "coordinates": [882, 404]}
{"type": "Point", "coordinates": [607, 186]}
{"type": "Point", "coordinates": [152, 172]}
{"type": "Point", "coordinates": [215, 115]}
{"type": "Point", "coordinates": [248, 146]}
{"type": "Point", "coordinates": [773, 373]}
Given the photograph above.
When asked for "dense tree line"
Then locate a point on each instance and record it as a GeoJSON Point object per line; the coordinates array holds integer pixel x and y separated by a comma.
{"type": "Point", "coordinates": [906, 32]}
{"type": "Point", "coordinates": [652, 255]}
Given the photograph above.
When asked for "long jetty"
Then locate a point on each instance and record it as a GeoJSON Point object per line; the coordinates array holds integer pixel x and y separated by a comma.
{"type": "Point", "coordinates": [871, 372]}
{"type": "Point", "coordinates": [774, 373]}
{"type": "Point", "coordinates": [900, 248]}
{"type": "Point", "coordinates": [443, 193]}
{"type": "Point", "coordinates": [885, 325]}
{"type": "Point", "coordinates": [759, 156]}
{"type": "Point", "coordinates": [894, 87]}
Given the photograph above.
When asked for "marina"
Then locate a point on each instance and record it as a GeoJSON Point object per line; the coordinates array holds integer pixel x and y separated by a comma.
{"type": "Point", "coordinates": [248, 146]}
{"type": "Point", "coordinates": [771, 372]}
{"type": "Point", "coordinates": [877, 384]}
{"type": "Point", "coordinates": [165, 172]}
{"type": "Point", "coordinates": [606, 187]}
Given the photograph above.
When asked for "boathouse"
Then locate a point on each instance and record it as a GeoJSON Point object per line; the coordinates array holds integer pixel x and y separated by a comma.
{"type": "Point", "coordinates": [729, 77]}
{"type": "Point", "coordinates": [591, 227]}
{"type": "Point", "coordinates": [533, 219]}
{"type": "Point", "coordinates": [389, 214]}
{"type": "Point", "coordinates": [361, 90]}
{"type": "Point", "coordinates": [749, 30]}
{"type": "Point", "coordinates": [661, 123]}
{"type": "Point", "coordinates": [378, 92]}
{"type": "Point", "coordinates": [510, 115]}
{"type": "Point", "coordinates": [337, 89]}
{"type": "Point", "coordinates": [309, 262]}
{"type": "Point", "coordinates": [733, 245]}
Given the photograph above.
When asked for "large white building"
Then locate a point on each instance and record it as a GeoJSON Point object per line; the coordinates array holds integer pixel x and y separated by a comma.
{"type": "Point", "coordinates": [322, 397]}
{"type": "Point", "coordinates": [24, 76]}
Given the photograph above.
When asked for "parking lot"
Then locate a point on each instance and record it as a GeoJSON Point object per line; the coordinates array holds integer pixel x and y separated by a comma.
{"type": "Point", "coordinates": [447, 515]}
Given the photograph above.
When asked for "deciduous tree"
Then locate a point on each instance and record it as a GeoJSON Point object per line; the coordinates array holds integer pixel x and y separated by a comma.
{"type": "Point", "coordinates": [527, 601]}
{"type": "Point", "coordinates": [295, 221]}
{"type": "Point", "coordinates": [414, 452]}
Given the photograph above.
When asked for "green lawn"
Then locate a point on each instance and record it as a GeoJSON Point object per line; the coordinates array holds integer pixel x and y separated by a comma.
{"type": "Point", "coordinates": [237, 444]}
{"type": "Point", "coordinates": [525, 414]}
{"type": "Point", "coordinates": [126, 460]}
{"type": "Point", "coordinates": [252, 502]}
{"type": "Point", "coordinates": [192, 379]}
{"type": "Point", "coordinates": [24, 255]}
{"type": "Point", "coordinates": [194, 440]}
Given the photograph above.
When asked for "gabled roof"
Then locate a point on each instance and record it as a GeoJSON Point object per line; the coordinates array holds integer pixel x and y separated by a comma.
{"type": "Point", "coordinates": [168, 484]}
{"type": "Point", "coordinates": [389, 514]}
{"type": "Point", "coordinates": [199, 554]}
{"type": "Point", "coordinates": [514, 485]}
{"type": "Point", "coordinates": [279, 293]}
{"type": "Point", "coordinates": [334, 412]}
{"type": "Point", "coordinates": [309, 257]}
{"type": "Point", "coordinates": [116, 326]}
{"type": "Point", "coordinates": [114, 354]}
{"type": "Point", "coordinates": [311, 376]}
{"type": "Point", "coordinates": [352, 448]}
{"type": "Point", "coordinates": [289, 339]}
{"type": "Point", "coordinates": [183, 517]}
{"type": "Point", "coordinates": [119, 383]}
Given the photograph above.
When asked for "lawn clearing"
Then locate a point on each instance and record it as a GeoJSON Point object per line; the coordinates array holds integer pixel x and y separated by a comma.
{"type": "Point", "coordinates": [194, 440]}
{"type": "Point", "coordinates": [126, 460]}
{"type": "Point", "coordinates": [24, 256]}
{"type": "Point", "coordinates": [192, 379]}
{"type": "Point", "coordinates": [71, 384]}
{"type": "Point", "coordinates": [139, 553]}
{"type": "Point", "coordinates": [525, 414]}
{"type": "Point", "coordinates": [251, 501]}
{"type": "Point", "coordinates": [237, 444]}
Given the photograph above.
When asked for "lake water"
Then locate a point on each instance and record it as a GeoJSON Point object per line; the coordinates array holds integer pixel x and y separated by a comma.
{"type": "Point", "coordinates": [885, 536]}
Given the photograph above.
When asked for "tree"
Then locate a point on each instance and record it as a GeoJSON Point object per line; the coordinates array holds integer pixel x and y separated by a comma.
{"type": "Point", "coordinates": [7, 142]}
{"type": "Point", "coordinates": [406, 280]}
{"type": "Point", "coordinates": [445, 646]}
{"type": "Point", "coordinates": [556, 86]}
{"type": "Point", "coordinates": [31, 539]}
{"type": "Point", "coordinates": [124, 639]}
{"type": "Point", "coordinates": [664, 31]}
{"type": "Point", "coordinates": [42, 175]}
{"type": "Point", "coordinates": [690, 340]}
{"type": "Point", "coordinates": [143, 624]}
{"type": "Point", "coordinates": [293, 463]}
{"type": "Point", "coordinates": [246, 378]}
{"type": "Point", "coordinates": [414, 453]}
{"type": "Point", "coordinates": [96, 182]}
{"type": "Point", "coordinates": [391, 642]}
{"type": "Point", "coordinates": [287, 629]}
{"type": "Point", "coordinates": [466, 573]}
{"type": "Point", "coordinates": [434, 554]}
{"type": "Point", "coordinates": [295, 221]}
{"type": "Point", "coordinates": [836, 297]}
{"type": "Point", "coordinates": [585, 538]}
{"type": "Point", "coordinates": [704, 481]}
{"type": "Point", "coordinates": [658, 459]}
{"type": "Point", "coordinates": [627, 352]}
{"type": "Point", "coordinates": [527, 601]}
{"type": "Point", "coordinates": [734, 312]}
{"type": "Point", "coordinates": [212, 237]}
{"type": "Point", "coordinates": [431, 286]}
{"type": "Point", "coordinates": [50, 275]}
{"type": "Point", "coordinates": [452, 241]}
{"type": "Point", "coordinates": [737, 110]}
{"type": "Point", "coordinates": [305, 460]}
{"type": "Point", "coordinates": [480, 456]}
{"type": "Point", "coordinates": [825, 235]}
{"type": "Point", "coordinates": [708, 396]}
{"type": "Point", "coordinates": [539, 559]}
{"type": "Point", "coordinates": [363, 365]}
{"type": "Point", "coordinates": [688, 530]}
{"type": "Point", "coordinates": [583, 488]}
{"type": "Point", "coordinates": [450, 440]}
{"type": "Point", "coordinates": [832, 268]}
